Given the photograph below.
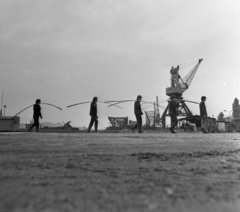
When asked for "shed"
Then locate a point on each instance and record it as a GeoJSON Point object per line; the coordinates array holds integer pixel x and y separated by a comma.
{"type": "Point", "coordinates": [7, 123]}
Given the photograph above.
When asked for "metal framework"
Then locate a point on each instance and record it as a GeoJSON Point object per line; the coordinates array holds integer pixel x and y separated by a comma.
{"type": "Point", "coordinates": [67, 125]}
{"type": "Point", "coordinates": [121, 122]}
{"type": "Point", "coordinates": [178, 86]}
{"type": "Point", "coordinates": [153, 118]}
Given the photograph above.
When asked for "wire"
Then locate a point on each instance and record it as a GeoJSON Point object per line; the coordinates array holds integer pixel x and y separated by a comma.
{"type": "Point", "coordinates": [188, 63]}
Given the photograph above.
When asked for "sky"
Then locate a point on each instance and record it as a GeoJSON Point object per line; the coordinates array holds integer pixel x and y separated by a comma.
{"type": "Point", "coordinates": [66, 52]}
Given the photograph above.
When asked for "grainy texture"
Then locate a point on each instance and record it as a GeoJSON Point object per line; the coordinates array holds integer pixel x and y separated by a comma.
{"type": "Point", "coordinates": [120, 172]}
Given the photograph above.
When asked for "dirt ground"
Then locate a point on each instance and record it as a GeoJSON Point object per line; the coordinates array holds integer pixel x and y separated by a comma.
{"type": "Point", "coordinates": [185, 172]}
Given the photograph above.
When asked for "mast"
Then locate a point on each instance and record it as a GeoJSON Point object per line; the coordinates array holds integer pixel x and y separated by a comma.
{"type": "Point", "coordinates": [2, 102]}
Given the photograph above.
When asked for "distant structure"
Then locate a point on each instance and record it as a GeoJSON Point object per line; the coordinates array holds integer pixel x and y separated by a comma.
{"type": "Point", "coordinates": [178, 86]}
{"type": "Point", "coordinates": [118, 122]}
{"type": "Point", "coordinates": [1, 110]}
{"type": "Point", "coordinates": [5, 106]}
{"type": "Point", "coordinates": [153, 118]}
{"type": "Point", "coordinates": [67, 125]}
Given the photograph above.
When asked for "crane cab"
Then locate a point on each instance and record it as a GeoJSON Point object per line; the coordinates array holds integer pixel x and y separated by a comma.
{"type": "Point", "coordinates": [175, 88]}
{"type": "Point", "coordinates": [176, 91]}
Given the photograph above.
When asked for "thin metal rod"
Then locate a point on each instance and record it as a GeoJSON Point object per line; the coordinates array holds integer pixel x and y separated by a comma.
{"type": "Point", "coordinates": [2, 99]}
{"type": "Point", "coordinates": [147, 107]}
{"type": "Point", "coordinates": [132, 101]}
{"type": "Point", "coordinates": [188, 62]}
{"type": "Point", "coordinates": [147, 103]}
{"type": "Point", "coordinates": [110, 103]}
{"type": "Point", "coordinates": [32, 105]}
{"type": "Point", "coordinates": [78, 104]}
{"type": "Point", "coordinates": [52, 105]}
{"type": "Point", "coordinates": [191, 101]}
{"type": "Point", "coordinates": [120, 102]}
{"type": "Point", "coordinates": [144, 102]}
{"type": "Point", "coordinates": [90, 102]}
{"type": "Point", "coordinates": [22, 111]}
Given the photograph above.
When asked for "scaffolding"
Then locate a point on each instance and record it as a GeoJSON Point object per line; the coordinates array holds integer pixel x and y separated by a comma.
{"type": "Point", "coordinates": [153, 118]}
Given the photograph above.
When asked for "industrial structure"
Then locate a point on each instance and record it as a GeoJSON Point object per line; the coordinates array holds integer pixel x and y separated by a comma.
{"type": "Point", "coordinates": [153, 118]}
{"type": "Point", "coordinates": [177, 88]}
{"type": "Point", "coordinates": [118, 122]}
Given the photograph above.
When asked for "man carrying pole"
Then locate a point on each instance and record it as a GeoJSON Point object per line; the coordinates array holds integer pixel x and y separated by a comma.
{"type": "Point", "coordinates": [36, 114]}
{"type": "Point", "coordinates": [204, 118]}
{"type": "Point", "coordinates": [93, 114]}
{"type": "Point", "coordinates": [173, 107]}
{"type": "Point", "coordinates": [138, 113]}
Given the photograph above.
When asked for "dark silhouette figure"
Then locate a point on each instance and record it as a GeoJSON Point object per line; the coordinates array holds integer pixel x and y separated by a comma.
{"type": "Point", "coordinates": [173, 106]}
{"type": "Point", "coordinates": [205, 126]}
{"type": "Point", "coordinates": [93, 114]}
{"type": "Point", "coordinates": [36, 115]}
{"type": "Point", "coordinates": [138, 113]}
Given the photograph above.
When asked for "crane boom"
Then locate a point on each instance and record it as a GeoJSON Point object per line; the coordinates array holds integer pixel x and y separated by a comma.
{"type": "Point", "coordinates": [189, 77]}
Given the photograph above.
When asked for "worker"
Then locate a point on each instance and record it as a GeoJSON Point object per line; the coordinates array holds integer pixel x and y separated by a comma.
{"type": "Point", "coordinates": [93, 114]}
{"type": "Point", "coordinates": [204, 118]}
{"type": "Point", "coordinates": [173, 107]}
{"type": "Point", "coordinates": [138, 113]}
{"type": "Point", "coordinates": [36, 114]}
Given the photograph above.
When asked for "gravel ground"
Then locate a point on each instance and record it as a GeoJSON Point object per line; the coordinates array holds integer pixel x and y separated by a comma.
{"type": "Point", "coordinates": [182, 172]}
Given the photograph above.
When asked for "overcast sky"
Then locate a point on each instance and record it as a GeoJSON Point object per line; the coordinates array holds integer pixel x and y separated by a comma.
{"type": "Point", "coordinates": [65, 52]}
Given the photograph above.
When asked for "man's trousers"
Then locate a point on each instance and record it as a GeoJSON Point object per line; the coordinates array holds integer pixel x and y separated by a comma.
{"type": "Point", "coordinates": [93, 120]}
{"type": "Point", "coordinates": [138, 125]}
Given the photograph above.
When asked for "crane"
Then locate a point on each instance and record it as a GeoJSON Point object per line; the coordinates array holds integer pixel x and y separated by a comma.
{"type": "Point", "coordinates": [178, 87]}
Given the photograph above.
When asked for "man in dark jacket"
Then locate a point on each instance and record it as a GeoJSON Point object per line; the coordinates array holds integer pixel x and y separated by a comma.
{"type": "Point", "coordinates": [93, 114]}
{"type": "Point", "coordinates": [173, 107]}
{"type": "Point", "coordinates": [36, 114]}
{"type": "Point", "coordinates": [138, 113]}
{"type": "Point", "coordinates": [204, 118]}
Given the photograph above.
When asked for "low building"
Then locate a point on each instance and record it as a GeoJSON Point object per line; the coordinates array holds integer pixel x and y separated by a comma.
{"type": "Point", "coordinates": [9, 123]}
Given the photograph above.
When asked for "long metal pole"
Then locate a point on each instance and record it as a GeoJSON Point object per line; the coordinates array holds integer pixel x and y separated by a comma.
{"type": "Point", "coordinates": [154, 114]}
{"type": "Point", "coordinates": [2, 100]}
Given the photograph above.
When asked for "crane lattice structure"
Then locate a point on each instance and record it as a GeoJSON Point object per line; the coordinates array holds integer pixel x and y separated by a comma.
{"type": "Point", "coordinates": [178, 87]}
{"type": "Point", "coordinates": [153, 118]}
{"type": "Point", "coordinates": [185, 83]}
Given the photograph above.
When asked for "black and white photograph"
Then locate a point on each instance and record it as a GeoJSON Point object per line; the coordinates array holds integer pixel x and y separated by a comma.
{"type": "Point", "coordinates": [119, 106]}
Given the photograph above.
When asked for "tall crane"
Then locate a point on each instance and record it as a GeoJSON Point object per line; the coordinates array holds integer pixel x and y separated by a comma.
{"type": "Point", "coordinates": [178, 87]}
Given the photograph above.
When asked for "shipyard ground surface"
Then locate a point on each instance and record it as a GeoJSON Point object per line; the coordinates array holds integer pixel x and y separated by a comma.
{"type": "Point", "coordinates": [188, 172]}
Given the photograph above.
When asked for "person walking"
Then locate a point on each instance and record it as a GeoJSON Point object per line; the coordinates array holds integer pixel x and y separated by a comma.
{"type": "Point", "coordinates": [173, 106]}
{"type": "Point", "coordinates": [36, 114]}
{"type": "Point", "coordinates": [138, 113]}
{"type": "Point", "coordinates": [93, 114]}
{"type": "Point", "coordinates": [204, 118]}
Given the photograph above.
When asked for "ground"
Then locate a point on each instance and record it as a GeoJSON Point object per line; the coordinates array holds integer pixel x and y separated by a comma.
{"type": "Point", "coordinates": [184, 172]}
